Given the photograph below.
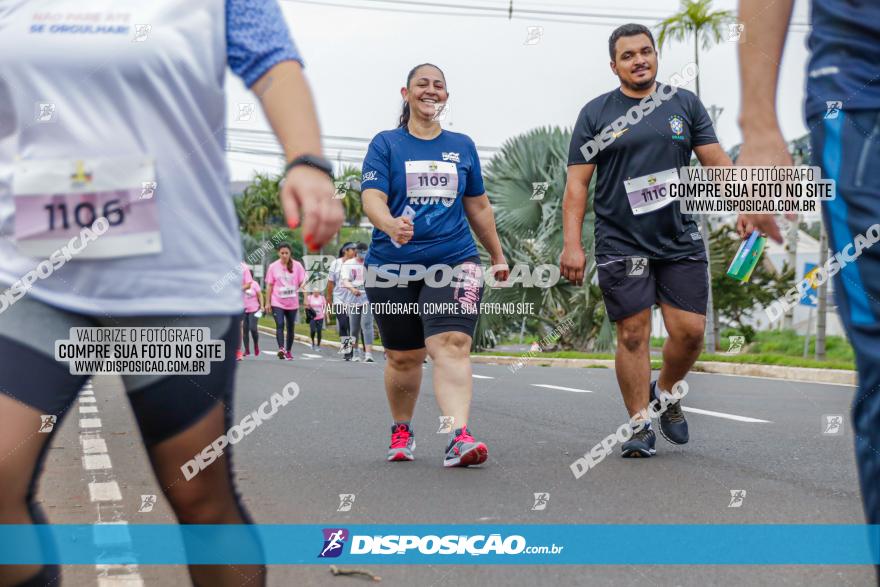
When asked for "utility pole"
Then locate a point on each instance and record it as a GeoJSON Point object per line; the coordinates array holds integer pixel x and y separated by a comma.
{"type": "Point", "coordinates": [791, 246]}
{"type": "Point", "coordinates": [711, 320]}
{"type": "Point", "coordinates": [822, 308]}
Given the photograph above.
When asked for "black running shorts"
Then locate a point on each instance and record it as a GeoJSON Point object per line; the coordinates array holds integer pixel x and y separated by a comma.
{"type": "Point", "coordinates": [164, 405]}
{"type": "Point", "coordinates": [631, 284]}
{"type": "Point", "coordinates": [407, 315]}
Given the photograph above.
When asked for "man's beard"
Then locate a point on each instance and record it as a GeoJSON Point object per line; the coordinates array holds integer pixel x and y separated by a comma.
{"type": "Point", "coordinates": [639, 86]}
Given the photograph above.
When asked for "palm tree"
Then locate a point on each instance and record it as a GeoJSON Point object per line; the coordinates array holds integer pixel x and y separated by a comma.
{"type": "Point", "coordinates": [696, 17]}
{"type": "Point", "coordinates": [259, 208]}
{"type": "Point", "coordinates": [530, 234]}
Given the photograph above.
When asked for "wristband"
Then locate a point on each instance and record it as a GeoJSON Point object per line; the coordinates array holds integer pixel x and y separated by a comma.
{"type": "Point", "coordinates": [313, 161]}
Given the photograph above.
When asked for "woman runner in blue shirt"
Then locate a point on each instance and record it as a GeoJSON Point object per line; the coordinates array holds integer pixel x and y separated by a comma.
{"type": "Point", "coordinates": [423, 191]}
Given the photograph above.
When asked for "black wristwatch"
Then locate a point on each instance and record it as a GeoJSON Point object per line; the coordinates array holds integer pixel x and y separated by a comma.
{"type": "Point", "coordinates": [312, 161]}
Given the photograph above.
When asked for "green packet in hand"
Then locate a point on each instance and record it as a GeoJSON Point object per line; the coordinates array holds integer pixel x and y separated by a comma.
{"type": "Point", "coordinates": [747, 257]}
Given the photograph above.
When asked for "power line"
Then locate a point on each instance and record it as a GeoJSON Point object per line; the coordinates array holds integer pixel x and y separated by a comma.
{"type": "Point", "coordinates": [496, 12]}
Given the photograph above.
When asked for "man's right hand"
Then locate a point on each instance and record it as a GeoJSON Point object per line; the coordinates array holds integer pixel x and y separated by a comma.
{"type": "Point", "coordinates": [400, 230]}
{"type": "Point", "coordinates": [572, 263]}
{"type": "Point", "coordinates": [764, 148]}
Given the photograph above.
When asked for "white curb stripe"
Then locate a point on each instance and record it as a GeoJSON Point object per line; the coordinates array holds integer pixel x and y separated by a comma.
{"type": "Point", "coordinates": [90, 423]}
{"type": "Point", "coordinates": [88, 409]}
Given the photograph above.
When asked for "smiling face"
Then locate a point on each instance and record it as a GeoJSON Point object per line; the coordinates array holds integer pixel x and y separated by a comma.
{"type": "Point", "coordinates": [635, 62]}
{"type": "Point", "coordinates": [426, 93]}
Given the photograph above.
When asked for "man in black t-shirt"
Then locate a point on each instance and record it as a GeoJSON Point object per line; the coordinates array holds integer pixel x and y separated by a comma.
{"type": "Point", "coordinates": [635, 138]}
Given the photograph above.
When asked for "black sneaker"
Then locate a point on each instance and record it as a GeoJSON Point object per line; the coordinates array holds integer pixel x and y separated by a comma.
{"type": "Point", "coordinates": [640, 445]}
{"type": "Point", "coordinates": [673, 425]}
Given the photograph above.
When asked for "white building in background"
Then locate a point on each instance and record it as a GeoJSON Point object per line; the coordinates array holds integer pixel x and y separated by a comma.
{"type": "Point", "coordinates": [807, 252]}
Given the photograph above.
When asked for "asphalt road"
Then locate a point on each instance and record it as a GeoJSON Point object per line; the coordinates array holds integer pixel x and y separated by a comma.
{"type": "Point", "coordinates": [758, 435]}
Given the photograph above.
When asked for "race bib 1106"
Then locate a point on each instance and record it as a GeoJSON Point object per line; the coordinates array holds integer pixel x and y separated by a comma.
{"type": "Point", "coordinates": [56, 199]}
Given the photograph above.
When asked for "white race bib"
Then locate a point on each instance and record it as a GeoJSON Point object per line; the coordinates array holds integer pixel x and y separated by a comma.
{"type": "Point", "coordinates": [56, 199]}
{"type": "Point", "coordinates": [650, 192]}
{"type": "Point", "coordinates": [287, 291]}
{"type": "Point", "coordinates": [432, 179]}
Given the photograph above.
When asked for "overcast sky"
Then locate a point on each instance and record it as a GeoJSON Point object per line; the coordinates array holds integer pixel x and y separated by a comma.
{"type": "Point", "coordinates": [357, 61]}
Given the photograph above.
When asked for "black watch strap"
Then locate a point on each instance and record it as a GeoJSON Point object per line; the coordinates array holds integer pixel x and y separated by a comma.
{"type": "Point", "coordinates": [315, 161]}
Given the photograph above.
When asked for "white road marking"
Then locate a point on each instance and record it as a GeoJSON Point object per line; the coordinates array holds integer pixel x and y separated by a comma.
{"type": "Point", "coordinates": [87, 400]}
{"type": "Point", "coordinates": [311, 356]}
{"type": "Point", "coordinates": [475, 376]}
{"type": "Point", "coordinates": [726, 416]}
{"type": "Point", "coordinates": [92, 462]}
{"type": "Point", "coordinates": [88, 409]}
{"type": "Point", "coordinates": [86, 392]}
{"type": "Point", "coordinates": [90, 423]}
{"type": "Point", "coordinates": [562, 388]}
{"type": "Point", "coordinates": [93, 446]}
{"type": "Point", "coordinates": [130, 580]}
{"type": "Point", "coordinates": [108, 491]}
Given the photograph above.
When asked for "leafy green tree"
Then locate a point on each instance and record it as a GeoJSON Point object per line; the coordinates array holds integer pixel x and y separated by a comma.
{"type": "Point", "coordinates": [348, 184]}
{"type": "Point", "coordinates": [735, 301]}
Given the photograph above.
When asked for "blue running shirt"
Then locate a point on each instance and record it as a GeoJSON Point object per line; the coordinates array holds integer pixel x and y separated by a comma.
{"type": "Point", "coordinates": [432, 177]}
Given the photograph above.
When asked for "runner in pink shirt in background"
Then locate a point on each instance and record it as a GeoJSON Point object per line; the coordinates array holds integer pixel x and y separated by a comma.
{"type": "Point", "coordinates": [253, 304]}
{"type": "Point", "coordinates": [315, 305]}
{"type": "Point", "coordinates": [283, 280]}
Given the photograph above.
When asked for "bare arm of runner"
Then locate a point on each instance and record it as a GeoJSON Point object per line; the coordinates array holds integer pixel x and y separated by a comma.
{"type": "Point", "coordinates": [307, 193]}
{"type": "Point", "coordinates": [479, 213]}
{"type": "Point", "coordinates": [759, 58]}
{"type": "Point", "coordinates": [268, 303]}
{"type": "Point", "coordinates": [375, 203]}
{"type": "Point", "coordinates": [573, 260]}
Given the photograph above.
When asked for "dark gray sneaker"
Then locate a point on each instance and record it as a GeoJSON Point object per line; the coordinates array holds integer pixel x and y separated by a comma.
{"type": "Point", "coordinates": [640, 445]}
{"type": "Point", "coordinates": [673, 425]}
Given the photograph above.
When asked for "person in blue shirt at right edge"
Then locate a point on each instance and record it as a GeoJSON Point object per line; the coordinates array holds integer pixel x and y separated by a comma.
{"type": "Point", "coordinates": [423, 191]}
{"type": "Point", "coordinates": [843, 115]}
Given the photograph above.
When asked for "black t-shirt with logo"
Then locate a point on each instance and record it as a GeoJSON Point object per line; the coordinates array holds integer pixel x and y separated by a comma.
{"type": "Point", "coordinates": [632, 170]}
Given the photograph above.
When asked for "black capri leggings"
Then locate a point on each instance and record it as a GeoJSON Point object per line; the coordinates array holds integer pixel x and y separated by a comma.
{"type": "Point", "coordinates": [249, 326]}
{"type": "Point", "coordinates": [281, 316]}
{"type": "Point", "coordinates": [316, 326]}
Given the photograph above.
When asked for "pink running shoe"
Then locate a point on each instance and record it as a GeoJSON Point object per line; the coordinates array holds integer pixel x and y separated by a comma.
{"type": "Point", "coordinates": [402, 443]}
{"type": "Point", "coordinates": [464, 451]}
{"type": "Point", "coordinates": [288, 356]}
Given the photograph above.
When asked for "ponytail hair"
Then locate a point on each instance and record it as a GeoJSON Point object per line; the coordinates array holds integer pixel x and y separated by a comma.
{"type": "Point", "coordinates": [404, 115]}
